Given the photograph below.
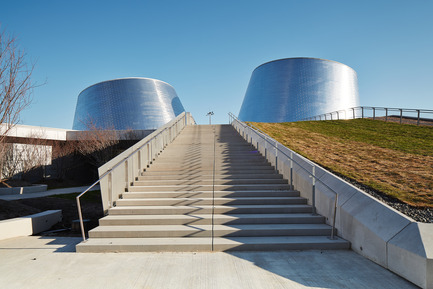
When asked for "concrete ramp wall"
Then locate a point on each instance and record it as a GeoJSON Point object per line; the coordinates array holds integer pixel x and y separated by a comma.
{"type": "Point", "coordinates": [375, 230]}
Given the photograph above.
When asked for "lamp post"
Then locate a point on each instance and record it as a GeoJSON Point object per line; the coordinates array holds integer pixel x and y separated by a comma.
{"type": "Point", "coordinates": [210, 113]}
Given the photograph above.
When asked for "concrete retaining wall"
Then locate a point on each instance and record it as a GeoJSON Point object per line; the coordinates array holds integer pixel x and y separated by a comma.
{"type": "Point", "coordinates": [29, 225]}
{"type": "Point", "coordinates": [375, 230]}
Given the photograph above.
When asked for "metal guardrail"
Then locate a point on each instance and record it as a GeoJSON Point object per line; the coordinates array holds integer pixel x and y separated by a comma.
{"type": "Point", "coordinates": [120, 172]}
{"type": "Point", "coordinates": [420, 116]}
{"type": "Point", "coordinates": [248, 129]}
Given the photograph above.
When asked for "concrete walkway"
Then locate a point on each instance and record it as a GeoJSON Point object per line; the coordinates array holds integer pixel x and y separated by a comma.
{"type": "Point", "coordinates": [47, 193]}
{"type": "Point", "coordinates": [51, 262]}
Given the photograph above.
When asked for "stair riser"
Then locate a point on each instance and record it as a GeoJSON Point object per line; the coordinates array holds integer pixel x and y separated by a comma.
{"type": "Point", "coordinates": [202, 234]}
{"type": "Point", "coordinates": [192, 202]}
{"type": "Point", "coordinates": [227, 172]}
{"type": "Point", "coordinates": [243, 167]}
{"type": "Point", "coordinates": [223, 194]}
{"type": "Point", "coordinates": [303, 220]}
{"type": "Point", "coordinates": [155, 176]}
{"type": "Point", "coordinates": [209, 247]}
{"type": "Point", "coordinates": [181, 211]}
{"type": "Point", "coordinates": [193, 182]}
{"type": "Point", "coordinates": [207, 188]}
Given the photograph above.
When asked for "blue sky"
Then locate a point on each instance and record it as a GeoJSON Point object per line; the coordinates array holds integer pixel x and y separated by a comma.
{"type": "Point", "coordinates": [207, 50]}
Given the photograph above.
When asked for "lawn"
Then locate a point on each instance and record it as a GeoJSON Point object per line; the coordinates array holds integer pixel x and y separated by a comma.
{"type": "Point", "coordinates": [394, 159]}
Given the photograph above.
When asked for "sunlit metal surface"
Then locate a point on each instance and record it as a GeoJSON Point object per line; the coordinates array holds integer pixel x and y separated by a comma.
{"type": "Point", "coordinates": [293, 89]}
{"type": "Point", "coordinates": [128, 103]}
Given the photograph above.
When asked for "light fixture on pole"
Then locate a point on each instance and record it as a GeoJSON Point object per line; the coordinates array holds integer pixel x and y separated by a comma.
{"type": "Point", "coordinates": [210, 113]}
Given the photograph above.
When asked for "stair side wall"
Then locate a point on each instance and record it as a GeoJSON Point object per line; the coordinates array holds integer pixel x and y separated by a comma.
{"type": "Point", "coordinates": [366, 222]}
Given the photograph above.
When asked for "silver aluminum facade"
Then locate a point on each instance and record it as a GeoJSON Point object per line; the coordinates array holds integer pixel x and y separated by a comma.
{"type": "Point", "coordinates": [293, 89]}
{"type": "Point", "coordinates": [128, 103]}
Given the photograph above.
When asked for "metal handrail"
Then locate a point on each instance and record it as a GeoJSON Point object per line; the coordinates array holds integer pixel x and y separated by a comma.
{"type": "Point", "coordinates": [312, 175]}
{"type": "Point", "coordinates": [374, 109]}
{"type": "Point", "coordinates": [111, 170]}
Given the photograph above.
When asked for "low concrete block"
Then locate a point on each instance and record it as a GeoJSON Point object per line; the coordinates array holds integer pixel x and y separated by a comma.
{"type": "Point", "coordinates": [16, 227]}
{"type": "Point", "coordinates": [23, 190]}
{"type": "Point", "coordinates": [29, 225]}
{"type": "Point", "coordinates": [45, 220]}
{"type": "Point", "coordinates": [410, 254]}
{"type": "Point", "coordinates": [369, 225]}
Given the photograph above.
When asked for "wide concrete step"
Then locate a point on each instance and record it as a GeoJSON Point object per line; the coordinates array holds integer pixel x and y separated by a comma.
{"type": "Point", "coordinates": [209, 166]}
{"type": "Point", "coordinates": [210, 159]}
{"type": "Point", "coordinates": [177, 153]}
{"type": "Point", "coordinates": [206, 219]}
{"type": "Point", "coordinates": [151, 171]}
{"type": "Point", "coordinates": [210, 194]}
{"type": "Point", "coordinates": [203, 209]}
{"type": "Point", "coordinates": [210, 201]}
{"type": "Point", "coordinates": [246, 187]}
{"type": "Point", "coordinates": [193, 181]}
{"type": "Point", "coordinates": [100, 245]}
{"type": "Point", "coordinates": [199, 176]}
{"type": "Point", "coordinates": [198, 231]}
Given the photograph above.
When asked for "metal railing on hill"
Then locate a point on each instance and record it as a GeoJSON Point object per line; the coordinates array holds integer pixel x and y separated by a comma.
{"type": "Point", "coordinates": [117, 175]}
{"type": "Point", "coordinates": [400, 115]}
{"type": "Point", "coordinates": [274, 151]}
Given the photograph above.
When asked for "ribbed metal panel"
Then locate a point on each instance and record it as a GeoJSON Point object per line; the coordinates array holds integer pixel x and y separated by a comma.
{"type": "Point", "coordinates": [292, 89]}
{"type": "Point", "coordinates": [129, 103]}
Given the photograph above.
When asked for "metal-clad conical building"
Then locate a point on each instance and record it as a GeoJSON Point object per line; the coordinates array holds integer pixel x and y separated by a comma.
{"type": "Point", "coordinates": [293, 89]}
{"type": "Point", "coordinates": [127, 103]}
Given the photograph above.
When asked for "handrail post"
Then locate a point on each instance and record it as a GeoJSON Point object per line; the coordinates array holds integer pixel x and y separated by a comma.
{"type": "Point", "coordinates": [80, 215]}
{"type": "Point", "coordinates": [362, 112]}
{"type": "Point", "coordinates": [401, 114]}
{"type": "Point", "coordinates": [386, 114]}
{"type": "Point", "coordinates": [419, 112]}
{"type": "Point", "coordinates": [335, 216]}
{"type": "Point", "coordinates": [353, 110]}
{"type": "Point", "coordinates": [110, 190]}
{"type": "Point", "coordinates": [374, 113]}
{"type": "Point", "coordinates": [291, 170]}
{"type": "Point", "coordinates": [313, 197]}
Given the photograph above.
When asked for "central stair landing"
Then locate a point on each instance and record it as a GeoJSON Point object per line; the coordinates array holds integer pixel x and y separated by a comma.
{"type": "Point", "coordinates": [179, 204]}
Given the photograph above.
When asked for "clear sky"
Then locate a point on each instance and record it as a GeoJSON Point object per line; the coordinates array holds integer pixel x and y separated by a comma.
{"type": "Point", "coordinates": [207, 50]}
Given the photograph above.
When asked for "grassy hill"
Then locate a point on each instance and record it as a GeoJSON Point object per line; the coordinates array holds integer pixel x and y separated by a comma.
{"type": "Point", "coordinates": [394, 159]}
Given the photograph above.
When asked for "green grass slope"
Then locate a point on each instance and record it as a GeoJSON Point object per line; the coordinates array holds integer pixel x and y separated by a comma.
{"type": "Point", "coordinates": [392, 158]}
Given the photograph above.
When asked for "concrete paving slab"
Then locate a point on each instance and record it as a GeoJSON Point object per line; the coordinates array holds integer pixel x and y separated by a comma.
{"type": "Point", "coordinates": [50, 262]}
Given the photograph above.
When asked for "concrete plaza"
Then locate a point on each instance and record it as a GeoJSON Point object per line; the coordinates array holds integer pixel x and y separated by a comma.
{"type": "Point", "coordinates": [51, 262]}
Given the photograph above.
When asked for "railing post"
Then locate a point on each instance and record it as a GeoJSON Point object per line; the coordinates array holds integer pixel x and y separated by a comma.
{"type": "Point", "coordinates": [401, 114]}
{"type": "Point", "coordinates": [338, 115]}
{"type": "Point", "coordinates": [291, 170]}
{"type": "Point", "coordinates": [362, 112]}
{"type": "Point", "coordinates": [335, 217]}
{"type": "Point", "coordinates": [276, 156]}
{"type": "Point", "coordinates": [374, 113]}
{"type": "Point", "coordinates": [386, 114]}
{"type": "Point", "coordinates": [81, 219]}
{"type": "Point", "coordinates": [313, 196]}
{"type": "Point", "coordinates": [353, 110]}
{"type": "Point", "coordinates": [140, 164]}
{"type": "Point", "coordinates": [126, 175]}
{"type": "Point", "coordinates": [110, 190]}
{"type": "Point", "coordinates": [419, 112]}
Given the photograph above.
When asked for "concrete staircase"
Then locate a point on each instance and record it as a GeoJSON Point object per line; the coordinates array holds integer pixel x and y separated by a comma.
{"type": "Point", "coordinates": [179, 205]}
